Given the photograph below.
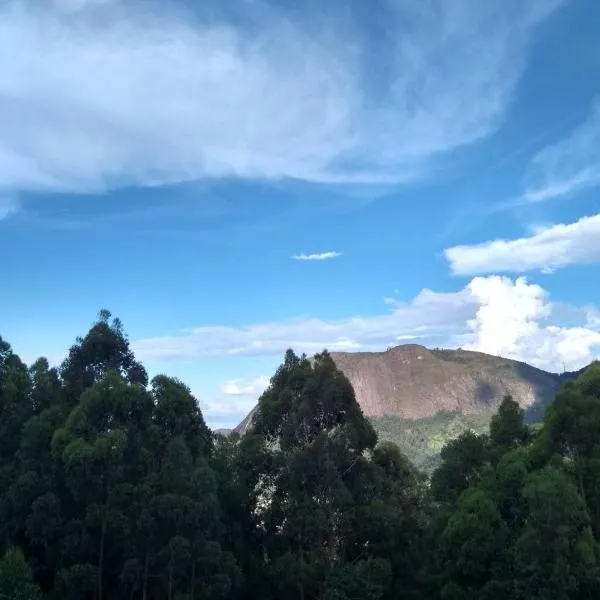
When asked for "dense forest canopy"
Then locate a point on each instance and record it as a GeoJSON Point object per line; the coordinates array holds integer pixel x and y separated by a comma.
{"type": "Point", "coordinates": [112, 487]}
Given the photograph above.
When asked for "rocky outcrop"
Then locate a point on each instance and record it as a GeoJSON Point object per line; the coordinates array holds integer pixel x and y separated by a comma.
{"type": "Point", "coordinates": [413, 382]}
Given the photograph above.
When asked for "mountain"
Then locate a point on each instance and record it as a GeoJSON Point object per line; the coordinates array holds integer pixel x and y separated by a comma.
{"type": "Point", "coordinates": [421, 398]}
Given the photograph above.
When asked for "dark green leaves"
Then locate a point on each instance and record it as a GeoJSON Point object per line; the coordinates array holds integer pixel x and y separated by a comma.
{"type": "Point", "coordinates": [113, 491]}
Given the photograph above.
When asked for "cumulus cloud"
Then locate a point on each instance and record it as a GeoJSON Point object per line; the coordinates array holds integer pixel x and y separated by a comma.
{"type": "Point", "coordinates": [496, 315]}
{"type": "Point", "coordinates": [317, 256]}
{"type": "Point", "coordinates": [508, 313]}
{"type": "Point", "coordinates": [104, 94]}
{"type": "Point", "coordinates": [550, 248]}
{"type": "Point", "coordinates": [569, 166]}
{"type": "Point", "coordinates": [513, 320]}
{"type": "Point", "coordinates": [238, 387]}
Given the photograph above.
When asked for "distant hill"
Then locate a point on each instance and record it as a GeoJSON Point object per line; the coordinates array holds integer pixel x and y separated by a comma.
{"type": "Point", "coordinates": [421, 398]}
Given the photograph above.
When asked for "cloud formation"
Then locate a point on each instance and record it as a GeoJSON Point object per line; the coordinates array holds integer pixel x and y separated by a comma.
{"type": "Point", "coordinates": [496, 315]}
{"type": "Point", "coordinates": [103, 94]}
{"type": "Point", "coordinates": [317, 256]}
{"type": "Point", "coordinates": [238, 387]}
{"type": "Point", "coordinates": [547, 250]}
{"type": "Point", "coordinates": [513, 321]}
{"type": "Point", "coordinates": [569, 166]}
{"type": "Point", "coordinates": [226, 412]}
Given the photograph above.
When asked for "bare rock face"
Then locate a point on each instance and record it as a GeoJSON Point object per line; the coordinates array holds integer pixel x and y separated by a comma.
{"type": "Point", "coordinates": [412, 382]}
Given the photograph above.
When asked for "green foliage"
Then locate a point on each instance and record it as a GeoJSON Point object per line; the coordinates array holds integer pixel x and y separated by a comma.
{"type": "Point", "coordinates": [523, 524]}
{"type": "Point", "coordinates": [508, 429]}
{"type": "Point", "coordinates": [423, 439]}
{"type": "Point", "coordinates": [113, 489]}
{"type": "Point", "coordinates": [108, 487]}
{"type": "Point", "coordinates": [464, 461]}
{"type": "Point", "coordinates": [16, 581]}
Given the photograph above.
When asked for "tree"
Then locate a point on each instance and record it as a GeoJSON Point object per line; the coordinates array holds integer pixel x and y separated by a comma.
{"type": "Point", "coordinates": [508, 429]}
{"type": "Point", "coordinates": [16, 582]}
{"type": "Point", "coordinates": [15, 406]}
{"type": "Point", "coordinates": [46, 386]}
{"type": "Point", "coordinates": [240, 466]}
{"type": "Point", "coordinates": [310, 417]}
{"type": "Point", "coordinates": [390, 518]}
{"type": "Point", "coordinates": [109, 489]}
{"type": "Point", "coordinates": [471, 546]}
{"type": "Point", "coordinates": [104, 348]}
{"type": "Point", "coordinates": [572, 431]}
{"type": "Point", "coordinates": [555, 552]}
{"type": "Point", "coordinates": [177, 414]}
{"type": "Point", "coordinates": [463, 463]}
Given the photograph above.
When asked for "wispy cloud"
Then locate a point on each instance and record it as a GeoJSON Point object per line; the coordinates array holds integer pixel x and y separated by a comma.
{"type": "Point", "coordinates": [103, 94]}
{"type": "Point", "coordinates": [8, 206]}
{"type": "Point", "coordinates": [429, 313]}
{"type": "Point", "coordinates": [569, 166]}
{"type": "Point", "coordinates": [493, 314]}
{"type": "Point", "coordinates": [238, 387]}
{"type": "Point", "coordinates": [550, 248]}
{"type": "Point", "coordinates": [317, 256]}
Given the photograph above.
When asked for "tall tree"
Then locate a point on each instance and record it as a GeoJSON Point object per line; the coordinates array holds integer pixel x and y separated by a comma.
{"type": "Point", "coordinates": [104, 348]}
{"type": "Point", "coordinates": [555, 555]}
{"type": "Point", "coordinates": [16, 581]}
{"type": "Point", "coordinates": [310, 414]}
{"type": "Point", "coordinates": [508, 429]}
{"type": "Point", "coordinates": [464, 461]}
{"type": "Point", "coordinates": [572, 431]}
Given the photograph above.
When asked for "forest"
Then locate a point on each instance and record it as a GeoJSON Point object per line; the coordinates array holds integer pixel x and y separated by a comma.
{"type": "Point", "coordinates": [112, 487]}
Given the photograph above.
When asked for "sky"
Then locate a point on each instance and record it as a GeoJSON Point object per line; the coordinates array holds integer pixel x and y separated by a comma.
{"type": "Point", "coordinates": [235, 178]}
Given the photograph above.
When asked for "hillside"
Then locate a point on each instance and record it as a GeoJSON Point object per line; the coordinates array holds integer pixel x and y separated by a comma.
{"type": "Point", "coordinates": [421, 398]}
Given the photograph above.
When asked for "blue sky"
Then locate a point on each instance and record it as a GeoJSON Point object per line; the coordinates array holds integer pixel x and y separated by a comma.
{"type": "Point", "coordinates": [240, 178]}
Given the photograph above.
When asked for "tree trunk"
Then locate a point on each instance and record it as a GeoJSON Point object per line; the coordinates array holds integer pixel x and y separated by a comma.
{"type": "Point", "coordinates": [301, 578]}
{"type": "Point", "coordinates": [145, 583]}
{"type": "Point", "coordinates": [581, 486]}
{"type": "Point", "coordinates": [101, 557]}
{"type": "Point", "coordinates": [193, 583]}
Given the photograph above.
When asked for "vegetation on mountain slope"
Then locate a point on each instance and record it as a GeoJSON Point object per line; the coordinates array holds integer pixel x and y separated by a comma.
{"type": "Point", "coordinates": [421, 399]}
{"type": "Point", "coordinates": [113, 488]}
{"type": "Point", "coordinates": [421, 440]}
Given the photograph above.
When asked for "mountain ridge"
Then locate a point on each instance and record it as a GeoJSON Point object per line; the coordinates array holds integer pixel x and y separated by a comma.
{"type": "Point", "coordinates": [410, 390]}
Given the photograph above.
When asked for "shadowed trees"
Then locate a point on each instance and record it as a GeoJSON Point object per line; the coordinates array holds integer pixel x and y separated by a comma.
{"type": "Point", "coordinates": [114, 488]}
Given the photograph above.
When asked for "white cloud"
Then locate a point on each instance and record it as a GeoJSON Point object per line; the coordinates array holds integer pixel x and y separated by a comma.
{"type": "Point", "coordinates": [226, 412]}
{"type": "Point", "coordinates": [428, 313]}
{"type": "Point", "coordinates": [8, 206]}
{"type": "Point", "coordinates": [548, 249]}
{"type": "Point", "coordinates": [238, 387]}
{"type": "Point", "coordinates": [317, 256]}
{"type": "Point", "coordinates": [507, 313]}
{"type": "Point", "coordinates": [569, 166]}
{"type": "Point", "coordinates": [593, 317]}
{"type": "Point", "coordinates": [491, 314]}
{"type": "Point", "coordinates": [513, 321]}
{"type": "Point", "coordinates": [105, 94]}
